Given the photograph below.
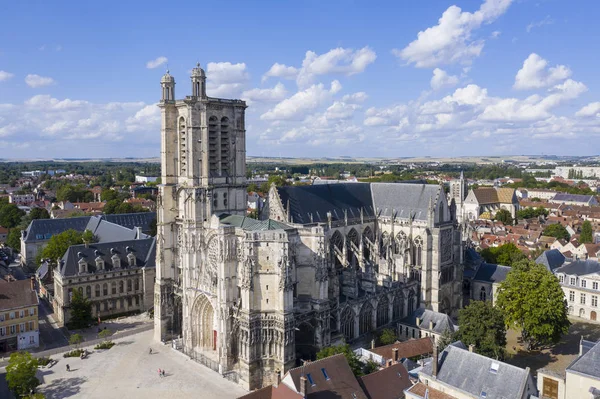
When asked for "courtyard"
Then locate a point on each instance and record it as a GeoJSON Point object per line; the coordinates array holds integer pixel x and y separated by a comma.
{"type": "Point", "coordinates": [557, 358]}
{"type": "Point", "coordinates": [127, 370]}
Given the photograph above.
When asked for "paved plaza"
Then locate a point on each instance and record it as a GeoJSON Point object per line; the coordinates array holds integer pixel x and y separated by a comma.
{"type": "Point", "coordinates": [127, 370]}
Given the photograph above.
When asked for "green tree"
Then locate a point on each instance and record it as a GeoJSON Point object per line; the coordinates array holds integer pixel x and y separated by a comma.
{"type": "Point", "coordinates": [81, 310]}
{"type": "Point", "coordinates": [20, 373]}
{"type": "Point", "coordinates": [586, 236]}
{"type": "Point", "coordinates": [532, 300]}
{"type": "Point", "coordinates": [504, 216]}
{"type": "Point", "coordinates": [279, 180]}
{"type": "Point", "coordinates": [111, 206]}
{"type": "Point", "coordinates": [105, 335]}
{"type": "Point", "coordinates": [108, 195]}
{"type": "Point", "coordinates": [75, 340]}
{"type": "Point", "coordinates": [351, 357]}
{"type": "Point", "coordinates": [388, 336]}
{"type": "Point", "coordinates": [10, 215]}
{"type": "Point", "coordinates": [482, 325]}
{"type": "Point", "coordinates": [59, 243]}
{"type": "Point", "coordinates": [370, 367]}
{"type": "Point", "coordinates": [38, 213]}
{"type": "Point", "coordinates": [556, 230]}
{"type": "Point", "coordinates": [13, 239]}
{"type": "Point", "coordinates": [446, 339]}
{"type": "Point", "coordinates": [506, 254]}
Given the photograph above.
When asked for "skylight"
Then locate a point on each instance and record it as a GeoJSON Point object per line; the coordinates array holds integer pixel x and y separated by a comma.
{"type": "Point", "coordinates": [325, 373]}
{"type": "Point", "coordinates": [310, 379]}
{"type": "Point", "coordinates": [494, 367]}
{"type": "Point", "coordinates": [483, 394]}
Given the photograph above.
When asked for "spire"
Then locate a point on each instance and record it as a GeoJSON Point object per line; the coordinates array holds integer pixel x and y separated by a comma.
{"type": "Point", "coordinates": [198, 82]}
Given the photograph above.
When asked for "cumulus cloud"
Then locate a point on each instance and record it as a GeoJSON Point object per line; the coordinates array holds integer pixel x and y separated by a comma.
{"type": "Point", "coordinates": [300, 104]}
{"type": "Point", "coordinates": [155, 63]}
{"type": "Point", "coordinates": [534, 74]}
{"type": "Point", "coordinates": [225, 79]}
{"type": "Point", "coordinates": [38, 81]}
{"type": "Point", "coordinates": [280, 71]}
{"type": "Point", "coordinates": [274, 94]}
{"type": "Point", "coordinates": [341, 110]}
{"type": "Point", "coordinates": [340, 60]}
{"type": "Point", "coordinates": [452, 39]}
{"type": "Point", "coordinates": [441, 79]}
{"type": "Point", "coordinates": [358, 97]}
{"type": "Point", "coordinates": [546, 21]}
{"type": "Point", "coordinates": [592, 109]}
{"type": "Point", "coordinates": [5, 76]}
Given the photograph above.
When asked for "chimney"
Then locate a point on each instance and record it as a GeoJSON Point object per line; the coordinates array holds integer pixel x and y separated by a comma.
{"type": "Point", "coordinates": [32, 281]}
{"type": "Point", "coordinates": [434, 362]}
{"type": "Point", "coordinates": [389, 363]}
{"type": "Point", "coordinates": [373, 344]}
{"type": "Point", "coordinates": [471, 347]}
{"type": "Point", "coordinates": [303, 386]}
{"type": "Point", "coordinates": [418, 321]}
{"type": "Point", "coordinates": [431, 325]}
{"type": "Point", "coordinates": [277, 378]}
{"type": "Point", "coordinates": [138, 232]}
{"type": "Point", "coordinates": [395, 354]}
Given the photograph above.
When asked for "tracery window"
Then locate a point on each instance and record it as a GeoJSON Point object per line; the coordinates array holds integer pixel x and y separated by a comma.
{"type": "Point", "coordinates": [366, 319]}
{"type": "Point", "coordinates": [398, 307]}
{"type": "Point", "coordinates": [482, 294]}
{"type": "Point", "coordinates": [347, 320]}
{"type": "Point", "coordinates": [383, 311]}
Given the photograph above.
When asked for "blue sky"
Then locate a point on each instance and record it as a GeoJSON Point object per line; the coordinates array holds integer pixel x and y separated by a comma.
{"type": "Point", "coordinates": [334, 78]}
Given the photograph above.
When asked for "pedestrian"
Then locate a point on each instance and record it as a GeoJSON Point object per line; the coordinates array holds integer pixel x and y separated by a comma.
{"type": "Point", "coordinates": [68, 368]}
{"type": "Point", "coordinates": [159, 373]}
{"type": "Point", "coordinates": [163, 372]}
{"type": "Point", "coordinates": [150, 351]}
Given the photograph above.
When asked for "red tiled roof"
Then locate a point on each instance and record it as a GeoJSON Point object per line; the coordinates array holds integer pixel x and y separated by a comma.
{"type": "Point", "coordinates": [388, 383]}
{"type": "Point", "coordinates": [17, 294]}
{"type": "Point", "coordinates": [419, 389]}
{"type": "Point", "coordinates": [407, 349]}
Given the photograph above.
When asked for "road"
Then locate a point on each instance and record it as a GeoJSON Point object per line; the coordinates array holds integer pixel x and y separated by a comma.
{"type": "Point", "coordinates": [51, 336]}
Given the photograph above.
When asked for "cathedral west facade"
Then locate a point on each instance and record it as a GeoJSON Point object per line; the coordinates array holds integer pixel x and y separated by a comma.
{"type": "Point", "coordinates": [325, 264]}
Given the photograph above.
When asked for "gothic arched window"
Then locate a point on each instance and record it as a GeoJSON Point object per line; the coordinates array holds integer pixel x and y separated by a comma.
{"type": "Point", "coordinates": [367, 241]}
{"type": "Point", "coordinates": [366, 319]}
{"type": "Point", "coordinates": [353, 244]}
{"type": "Point", "coordinates": [213, 132]}
{"type": "Point", "coordinates": [398, 307]}
{"type": "Point", "coordinates": [347, 320]}
{"type": "Point", "coordinates": [336, 244]}
{"type": "Point", "coordinates": [182, 146]}
{"type": "Point", "coordinates": [418, 250]}
{"type": "Point", "coordinates": [411, 302]}
{"type": "Point", "coordinates": [482, 294]}
{"type": "Point", "coordinates": [224, 146]}
{"type": "Point", "coordinates": [383, 311]}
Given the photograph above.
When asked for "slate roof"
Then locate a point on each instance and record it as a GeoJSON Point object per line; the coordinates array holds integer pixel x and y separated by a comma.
{"type": "Point", "coordinates": [473, 261]}
{"type": "Point", "coordinates": [318, 200]}
{"type": "Point", "coordinates": [491, 273]}
{"type": "Point", "coordinates": [17, 294]}
{"type": "Point", "coordinates": [109, 232]}
{"type": "Point", "coordinates": [388, 383]}
{"type": "Point", "coordinates": [131, 220]}
{"type": "Point", "coordinates": [247, 223]}
{"type": "Point", "coordinates": [563, 197]}
{"type": "Point", "coordinates": [552, 259]}
{"type": "Point", "coordinates": [43, 229]}
{"type": "Point", "coordinates": [406, 349]}
{"type": "Point", "coordinates": [472, 373]}
{"type": "Point", "coordinates": [486, 195]}
{"type": "Point", "coordinates": [441, 321]}
{"type": "Point", "coordinates": [588, 363]}
{"type": "Point", "coordinates": [580, 268]}
{"type": "Point", "coordinates": [405, 198]}
{"type": "Point", "coordinates": [144, 250]}
{"type": "Point", "coordinates": [340, 384]}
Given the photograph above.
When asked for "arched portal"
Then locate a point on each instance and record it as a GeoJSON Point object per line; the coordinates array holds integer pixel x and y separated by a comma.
{"type": "Point", "coordinates": [204, 334]}
{"type": "Point", "coordinates": [347, 323]}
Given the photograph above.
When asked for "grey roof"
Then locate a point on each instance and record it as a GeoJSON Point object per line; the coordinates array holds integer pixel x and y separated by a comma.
{"type": "Point", "coordinates": [580, 268]}
{"type": "Point", "coordinates": [572, 197]}
{"type": "Point", "coordinates": [109, 232]}
{"type": "Point", "coordinates": [406, 199]}
{"type": "Point", "coordinates": [441, 321]}
{"type": "Point", "coordinates": [247, 223]}
{"type": "Point", "coordinates": [588, 363]}
{"type": "Point", "coordinates": [552, 259]}
{"type": "Point", "coordinates": [131, 220]}
{"type": "Point", "coordinates": [144, 251]}
{"type": "Point", "coordinates": [472, 373]}
{"type": "Point", "coordinates": [42, 271]}
{"type": "Point", "coordinates": [491, 273]}
{"type": "Point", "coordinates": [473, 261]}
{"type": "Point", "coordinates": [312, 203]}
{"type": "Point", "coordinates": [43, 229]}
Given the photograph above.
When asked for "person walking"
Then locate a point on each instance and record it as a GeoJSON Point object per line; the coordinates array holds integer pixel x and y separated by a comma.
{"type": "Point", "coordinates": [163, 372]}
{"type": "Point", "coordinates": [150, 352]}
{"type": "Point", "coordinates": [68, 368]}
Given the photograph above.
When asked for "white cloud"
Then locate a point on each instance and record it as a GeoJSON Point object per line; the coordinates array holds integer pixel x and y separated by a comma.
{"type": "Point", "coordinates": [358, 97]}
{"type": "Point", "coordinates": [441, 79]}
{"type": "Point", "coordinates": [300, 104]}
{"type": "Point", "coordinates": [495, 34]}
{"type": "Point", "coordinates": [592, 109]}
{"type": "Point", "coordinates": [341, 110]}
{"type": "Point", "coordinates": [534, 74]}
{"type": "Point", "coordinates": [546, 21]}
{"type": "Point", "coordinates": [276, 93]}
{"type": "Point", "coordinates": [225, 79]}
{"type": "Point", "coordinates": [38, 81]}
{"type": "Point", "coordinates": [155, 63]}
{"type": "Point", "coordinates": [385, 116]}
{"type": "Point", "coordinates": [5, 75]}
{"type": "Point", "coordinates": [281, 71]}
{"type": "Point", "coordinates": [340, 60]}
{"type": "Point", "coordinates": [451, 40]}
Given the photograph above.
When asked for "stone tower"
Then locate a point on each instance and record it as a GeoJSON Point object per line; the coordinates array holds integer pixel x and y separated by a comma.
{"type": "Point", "coordinates": [458, 192]}
{"type": "Point", "coordinates": [203, 172]}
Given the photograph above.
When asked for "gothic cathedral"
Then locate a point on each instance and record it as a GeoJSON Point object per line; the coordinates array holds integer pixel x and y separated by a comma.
{"type": "Point", "coordinates": [323, 265]}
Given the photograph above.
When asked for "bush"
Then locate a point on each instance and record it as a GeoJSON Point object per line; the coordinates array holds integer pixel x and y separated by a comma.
{"type": "Point", "coordinates": [43, 361]}
{"type": "Point", "coordinates": [74, 353]}
{"type": "Point", "coordinates": [105, 345]}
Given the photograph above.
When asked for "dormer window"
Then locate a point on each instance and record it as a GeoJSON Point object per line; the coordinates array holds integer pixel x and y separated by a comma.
{"type": "Point", "coordinates": [131, 259]}
{"type": "Point", "coordinates": [82, 266]}
{"type": "Point", "coordinates": [99, 263]}
{"type": "Point", "coordinates": [116, 261]}
{"type": "Point", "coordinates": [494, 368]}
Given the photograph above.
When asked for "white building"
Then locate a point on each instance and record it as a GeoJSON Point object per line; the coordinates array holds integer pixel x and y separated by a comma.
{"type": "Point", "coordinates": [145, 179]}
{"type": "Point", "coordinates": [587, 171]}
{"type": "Point", "coordinates": [580, 281]}
{"type": "Point", "coordinates": [21, 199]}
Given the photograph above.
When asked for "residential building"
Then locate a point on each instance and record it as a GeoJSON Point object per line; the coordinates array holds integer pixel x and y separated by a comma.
{"type": "Point", "coordinates": [117, 277]}
{"type": "Point", "coordinates": [484, 202]}
{"type": "Point", "coordinates": [574, 199]}
{"type": "Point", "coordinates": [19, 328]}
{"type": "Point", "coordinates": [3, 234]}
{"type": "Point", "coordinates": [487, 280]}
{"type": "Point", "coordinates": [585, 171]}
{"type": "Point", "coordinates": [541, 193]}
{"type": "Point", "coordinates": [425, 323]}
{"type": "Point", "coordinates": [461, 373]}
{"type": "Point", "coordinates": [412, 348]}
{"type": "Point", "coordinates": [580, 281]}
{"type": "Point", "coordinates": [251, 297]}
{"type": "Point", "coordinates": [145, 179]}
{"type": "Point", "coordinates": [21, 199]}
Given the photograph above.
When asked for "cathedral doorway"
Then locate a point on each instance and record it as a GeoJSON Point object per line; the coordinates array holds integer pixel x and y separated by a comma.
{"type": "Point", "coordinates": [306, 348]}
{"type": "Point", "coordinates": [204, 334]}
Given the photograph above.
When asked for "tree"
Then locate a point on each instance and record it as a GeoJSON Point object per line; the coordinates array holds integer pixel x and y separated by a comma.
{"type": "Point", "coordinates": [504, 216]}
{"type": "Point", "coordinates": [13, 239]}
{"type": "Point", "coordinates": [586, 236]}
{"type": "Point", "coordinates": [482, 325]}
{"type": "Point", "coordinates": [10, 215]}
{"type": "Point", "coordinates": [445, 339]}
{"type": "Point", "coordinates": [39, 213]}
{"type": "Point", "coordinates": [109, 195]}
{"type": "Point", "coordinates": [532, 300]}
{"type": "Point", "coordinates": [506, 254]}
{"type": "Point", "coordinates": [351, 357]}
{"type": "Point", "coordinates": [75, 340]}
{"type": "Point", "coordinates": [557, 230]}
{"type": "Point", "coordinates": [105, 335]}
{"type": "Point", "coordinates": [59, 243]}
{"type": "Point", "coordinates": [81, 310]}
{"type": "Point", "coordinates": [20, 373]}
{"type": "Point", "coordinates": [388, 336]}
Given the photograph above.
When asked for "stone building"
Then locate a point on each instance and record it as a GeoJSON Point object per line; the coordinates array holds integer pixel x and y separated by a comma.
{"type": "Point", "coordinates": [117, 278]}
{"type": "Point", "coordinates": [326, 263]}
{"type": "Point", "coordinates": [19, 328]}
{"type": "Point", "coordinates": [580, 281]}
{"type": "Point", "coordinates": [484, 202]}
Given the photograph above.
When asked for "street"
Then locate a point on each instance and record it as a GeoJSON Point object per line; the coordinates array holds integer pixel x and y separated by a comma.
{"type": "Point", "coordinates": [51, 336]}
